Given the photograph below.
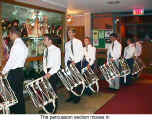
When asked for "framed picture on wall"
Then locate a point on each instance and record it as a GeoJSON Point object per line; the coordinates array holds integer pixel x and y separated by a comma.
{"type": "Point", "coordinates": [95, 38]}
{"type": "Point", "coordinates": [107, 35]}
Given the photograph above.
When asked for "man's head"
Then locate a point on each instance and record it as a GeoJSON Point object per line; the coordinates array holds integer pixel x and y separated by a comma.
{"type": "Point", "coordinates": [130, 41]}
{"type": "Point", "coordinates": [15, 23]}
{"type": "Point", "coordinates": [14, 33]}
{"type": "Point", "coordinates": [136, 38]}
{"type": "Point", "coordinates": [87, 41]}
{"type": "Point", "coordinates": [48, 40]}
{"type": "Point", "coordinates": [113, 37]}
{"type": "Point", "coordinates": [71, 33]}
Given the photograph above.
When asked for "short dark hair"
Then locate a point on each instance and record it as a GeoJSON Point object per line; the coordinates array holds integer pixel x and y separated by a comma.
{"type": "Point", "coordinates": [87, 38]}
{"type": "Point", "coordinates": [73, 30]}
{"type": "Point", "coordinates": [114, 35]}
{"type": "Point", "coordinates": [15, 30]}
{"type": "Point", "coordinates": [49, 37]}
{"type": "Point", "coordinates": [15, 21]}
{"type": "Point", "coordinates": [131, 40]}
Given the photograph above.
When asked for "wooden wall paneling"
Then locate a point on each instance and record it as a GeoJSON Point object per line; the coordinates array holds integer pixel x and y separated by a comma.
{"type": "Point", "coordinates": [146, 55]}
{"type": "Point", "coordinates": [80, 32]}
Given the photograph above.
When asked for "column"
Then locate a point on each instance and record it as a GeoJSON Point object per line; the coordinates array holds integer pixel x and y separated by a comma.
{"type": "Point", "coordinates": [87, 24]}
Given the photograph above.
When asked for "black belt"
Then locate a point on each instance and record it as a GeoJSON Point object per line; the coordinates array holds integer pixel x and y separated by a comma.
{"type": "Point", "coordinates": [16, 69]}
{"type": "Point", "coordinates": [20, 68]}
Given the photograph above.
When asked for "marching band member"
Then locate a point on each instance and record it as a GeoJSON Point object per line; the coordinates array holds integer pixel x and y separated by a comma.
{"type": "Point", "coordinates": [113, 54]}
{"type": "Point", "coordinates": [89, 58]}
{"type": "Point", "coordinates": [129, 53]}
{"type": "Point", "coordinates": [138, 48]}
{"type": "Point", "coordinates": [138, 52]}
{"type": "Point", "coordinates": [73, 55]}
{"type": "Point", "coordinates": [89, 53]}
{"type": "Point", "coordinates": [51, 64]}
{"type": "Point", "coordinates": [14, 68]}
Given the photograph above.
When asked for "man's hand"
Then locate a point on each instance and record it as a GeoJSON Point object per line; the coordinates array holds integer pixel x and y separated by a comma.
{"type": "Point", "coordinates": [88, 66]}
{"type": "Point", "coordinates": [47, 76]}
{"type": "Point", "coordinates": [112, 60]}
{"type": "Point", "coordinates": [73, 63]}
{"type": "Point", "coordinates": [1, 74]}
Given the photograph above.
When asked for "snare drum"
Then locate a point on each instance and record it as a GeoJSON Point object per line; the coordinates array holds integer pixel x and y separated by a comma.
{"type": "Point", "coordinates": [71, 79]}
{"type": "Point", "coordinates": [91, 79]}
{"type": "Point", "coordinates": [7, 96]}
{"type": "Point", "coordinates": [138, 66]}
{"type": "Point", "coordinates": [123, 67]}
{"type": "Point", "coordinates": [41, 93]}
{"type": "Point", "coordinates": [109, 71]}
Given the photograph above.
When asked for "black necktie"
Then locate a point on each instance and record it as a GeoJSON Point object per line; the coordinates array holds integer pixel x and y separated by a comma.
{"type": "Point", "coordinates": [72, 47]}
{"type": "Point", "coordinates": [112, 49]}
{"type": "Point", "coordinates": [112, 45]}
{"type": "Point", "coordinates": [87, 49]}
{"type": "Point", "coordinates": [46, 55]}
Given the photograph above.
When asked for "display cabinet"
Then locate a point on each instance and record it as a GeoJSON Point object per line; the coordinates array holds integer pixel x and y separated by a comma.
{"type": "Point", "coordinates": [33, 24]}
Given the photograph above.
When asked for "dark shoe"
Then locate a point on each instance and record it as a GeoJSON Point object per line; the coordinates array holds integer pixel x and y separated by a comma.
{"type": "Point", "coordinates": [76, 101]}
{"type": "Point", "coordinates": [42, 112]}
{"type": "Point", "coordinates": [90, 94]}
{"type": "Point", "coordinates": [69, 99]}
{"type": "Point", "coordinates": [110, 89]}
{"type": "Point", "coordinates": [113, 89]}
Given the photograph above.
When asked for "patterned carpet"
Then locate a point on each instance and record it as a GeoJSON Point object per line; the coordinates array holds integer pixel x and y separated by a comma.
{"type": "Point", "coordinates": [87, 105]}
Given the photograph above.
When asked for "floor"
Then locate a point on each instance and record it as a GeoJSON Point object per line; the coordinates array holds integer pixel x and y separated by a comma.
{"type": "Point", "coordinates": [133, 99]}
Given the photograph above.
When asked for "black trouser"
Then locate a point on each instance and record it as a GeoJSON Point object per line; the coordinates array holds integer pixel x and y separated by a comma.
{"type": "Point", "coordinates": [78, 65]}
{"type": "Point", "coordinates": [85, 64]}
{"type": "Point", "coordinates": [53, 81]}
{"type": "Point", "coordinates": [130, 63]}
{"type": "Point", "coordinates": [16, 79]}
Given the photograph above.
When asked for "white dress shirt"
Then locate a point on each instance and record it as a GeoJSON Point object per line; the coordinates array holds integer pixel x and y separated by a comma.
{"type": "Point", "coordinates": [53, 60]}
{"type": "Point", "coordinates": [77, 54]}
{"type": "Point", "coordinates": [114, 52]}
{"type": "Point", "coordinates": [129, 51]}
{"type": "Point", "coordinates": [138, 47]}
{"type": "Point", "coordinates": [90, 54]}
{"type": "Point", "coordinates": [18, 55]}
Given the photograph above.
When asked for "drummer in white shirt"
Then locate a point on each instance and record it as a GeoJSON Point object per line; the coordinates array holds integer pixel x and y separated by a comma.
{"type": "Point", "coordinates": [73, 55]}
{"type": "Point", "coordinates": [138, 52]}
{"type": "Point", "coordinates": [14, 69]}
{"type": "Point", "coordinates": [138, 48]}
{"type": "Point", "coordinates": [51, 65]}
{"type": "Point", "coordinates": [129, 53]}
{"type": "Point", "coordinates": [73, 50]}
{"type": "Point", "coordinates": [113, 54]}
{"type": "Point", "coordinates": [89, 53]}
{"type": "Point", "coordinates": [89, 59]}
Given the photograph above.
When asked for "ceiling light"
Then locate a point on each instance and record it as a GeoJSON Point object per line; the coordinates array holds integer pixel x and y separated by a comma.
{"type": "Point", "coordinates": [68, 18]}
{"type": "Point", "coordinates": [113, 2]}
